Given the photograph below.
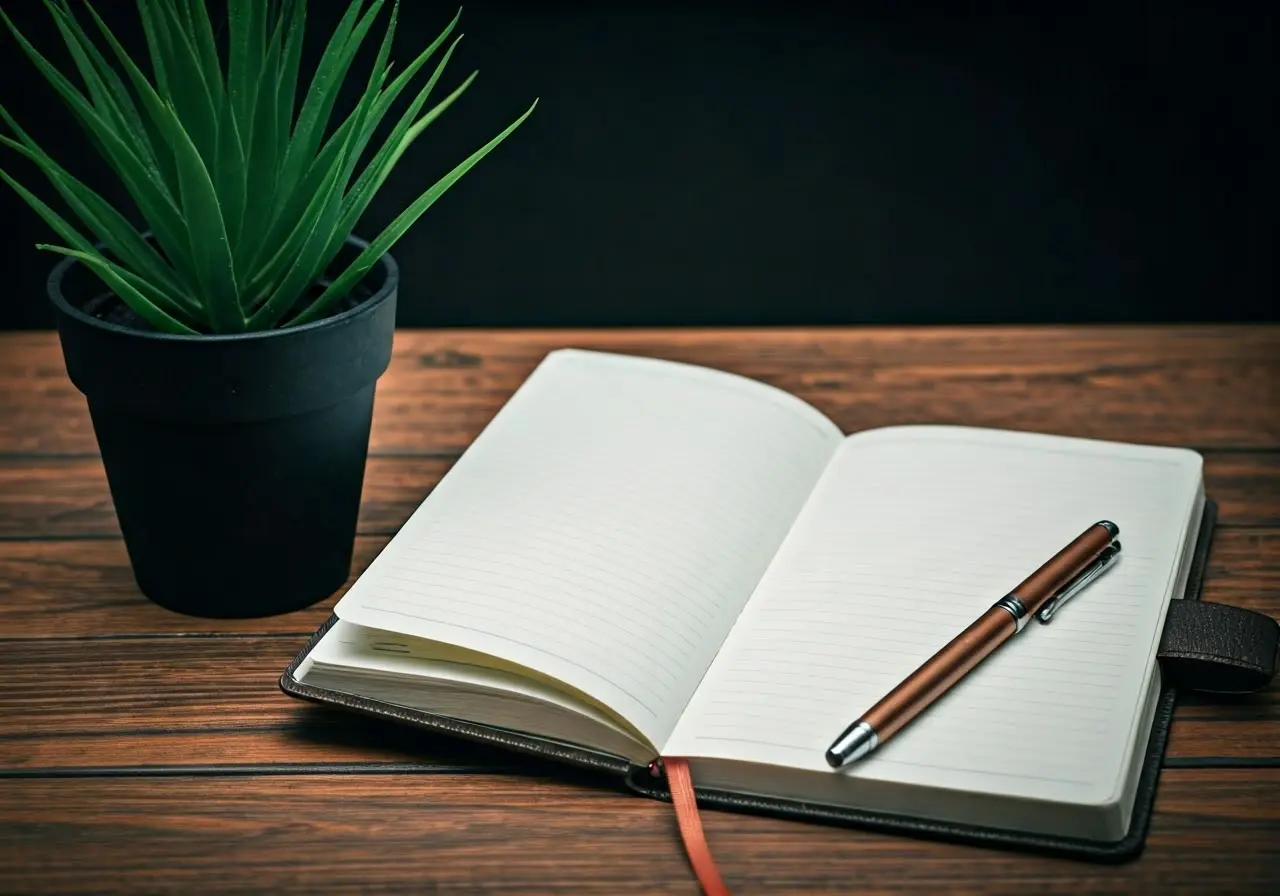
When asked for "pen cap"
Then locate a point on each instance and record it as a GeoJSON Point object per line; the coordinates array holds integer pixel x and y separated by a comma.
{"type": "Point", "coordinates": [1065, 565]}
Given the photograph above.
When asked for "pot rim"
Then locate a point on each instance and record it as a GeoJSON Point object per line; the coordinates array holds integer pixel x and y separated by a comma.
{"type": "Point", "coordinates": [391, 281]}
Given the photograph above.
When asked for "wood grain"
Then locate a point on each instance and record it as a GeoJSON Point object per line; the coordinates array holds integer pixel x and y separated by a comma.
{"type": "Point", "coordinates": [1198, 386]}
{"type": "Point", "coordinates": [145, 751]}
{"type": "Point", "coordinates": [442, 833]}
{"type": "Point", "coordinates": [141, 702]}
{"type": "Point", "coordinates": [68, 497]}
{"type": "Point", "coordinates": [61, 589]}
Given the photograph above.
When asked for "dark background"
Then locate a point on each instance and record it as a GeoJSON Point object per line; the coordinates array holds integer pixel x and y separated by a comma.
{"type": "Point", "coordinates": [798, 163]}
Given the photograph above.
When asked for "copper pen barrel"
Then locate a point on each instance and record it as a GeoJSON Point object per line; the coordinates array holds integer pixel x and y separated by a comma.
{"type": "Point", "coordinates": [950, 664]}
{"type": "Point", "coordinates": [940, 672]}
{"type": "Point", "coordinates": [1063, 566]}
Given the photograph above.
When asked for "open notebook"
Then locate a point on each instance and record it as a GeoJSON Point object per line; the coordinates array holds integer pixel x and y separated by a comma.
{"type": "Point", "coordinates": [638, 558]}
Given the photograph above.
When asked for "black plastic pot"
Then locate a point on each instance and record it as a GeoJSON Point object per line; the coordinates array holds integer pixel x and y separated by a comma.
{"type": "Point", "coordinates": [235, 462]}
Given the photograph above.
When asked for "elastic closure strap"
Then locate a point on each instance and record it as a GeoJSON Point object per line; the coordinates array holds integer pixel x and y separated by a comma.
{"type": "Point", "coordinates": [1218, 648]}
{"type": "Point", "coordinates": [680, 781]}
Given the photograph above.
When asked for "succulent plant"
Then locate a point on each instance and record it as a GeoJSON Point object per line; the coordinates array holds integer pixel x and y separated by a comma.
{"type": "Point", "coordinates": [246, 192]}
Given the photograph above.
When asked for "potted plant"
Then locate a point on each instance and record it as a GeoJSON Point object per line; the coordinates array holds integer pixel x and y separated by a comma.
{"type": "Point", "coordinates": [229, 350]}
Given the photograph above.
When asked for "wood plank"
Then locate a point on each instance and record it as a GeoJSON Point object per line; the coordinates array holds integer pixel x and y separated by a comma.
{"type": "Point", "coordinates": [123, 686]}
{"type": "Point", "coordinates": [1104, 382]}
{"type": "Point", "coordinates": [306, 737]}
{"type": "Point", "coordinates": [1214, 831]}
{"type": "Point", "coordinates": [144, 702]}
{"type": "Point", "coordinates": [86, 589]}
{"type": "Point", "coordinates": [317, 738]}
{"type": "Point", "coordinates": [209, 703]}
{"type": "Point", "coordinates": [68, 497]}
{"type": "Point", "coordinates": [1246, 486]}
{"type": "Point", "coordinates": [63, 589]}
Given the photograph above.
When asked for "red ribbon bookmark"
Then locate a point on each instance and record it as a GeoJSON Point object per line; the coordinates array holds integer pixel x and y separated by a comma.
{"type": "Point", "coordinates": [695, 841]}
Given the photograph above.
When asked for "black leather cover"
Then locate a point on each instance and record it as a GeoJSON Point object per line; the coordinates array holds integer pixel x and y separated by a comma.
{"type": "Point", "coordinates": [1200, 648]}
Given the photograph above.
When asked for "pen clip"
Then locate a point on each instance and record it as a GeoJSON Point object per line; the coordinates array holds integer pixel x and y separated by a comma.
{"type": "Point", "coordinates": [1076, 585]}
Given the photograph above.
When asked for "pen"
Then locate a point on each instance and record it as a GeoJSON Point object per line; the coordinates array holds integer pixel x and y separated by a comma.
{"type": "Point", "coordinates": [1041, 595]}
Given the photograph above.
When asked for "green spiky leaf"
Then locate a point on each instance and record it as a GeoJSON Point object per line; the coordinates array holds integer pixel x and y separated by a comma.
{"type": "Point", "coordinates": [128, 288]}
{"type": "Point", "coordinates": [210, 249]}
{"type": "Point", "coordinates": [110, 227]}
{"type": "Point", "coordinates": [247, 188]}
{"type": "Point", "coordinates": [369, 257]}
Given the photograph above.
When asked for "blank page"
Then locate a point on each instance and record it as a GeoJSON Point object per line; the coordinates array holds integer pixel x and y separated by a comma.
{"type": "Point", "coordinates": [914, 532]}
{"type": "Point", "coordinates": [606, 528]}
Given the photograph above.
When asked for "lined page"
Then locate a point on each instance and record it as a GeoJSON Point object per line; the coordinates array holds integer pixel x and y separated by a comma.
{"type": "Point", "coordinates": [914, 532]}
{"type": "Point", "coordinates": [606, 528]}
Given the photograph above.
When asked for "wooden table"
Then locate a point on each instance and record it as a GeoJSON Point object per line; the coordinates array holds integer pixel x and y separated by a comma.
{"type": "Point", "coordinates": [140, 750]}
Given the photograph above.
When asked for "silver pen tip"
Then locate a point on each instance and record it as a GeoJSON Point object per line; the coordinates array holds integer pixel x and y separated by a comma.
{"type": "Point", "coordinates": [1110, 527]}
{"type": "Point", "coordinates": [858, 741]}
